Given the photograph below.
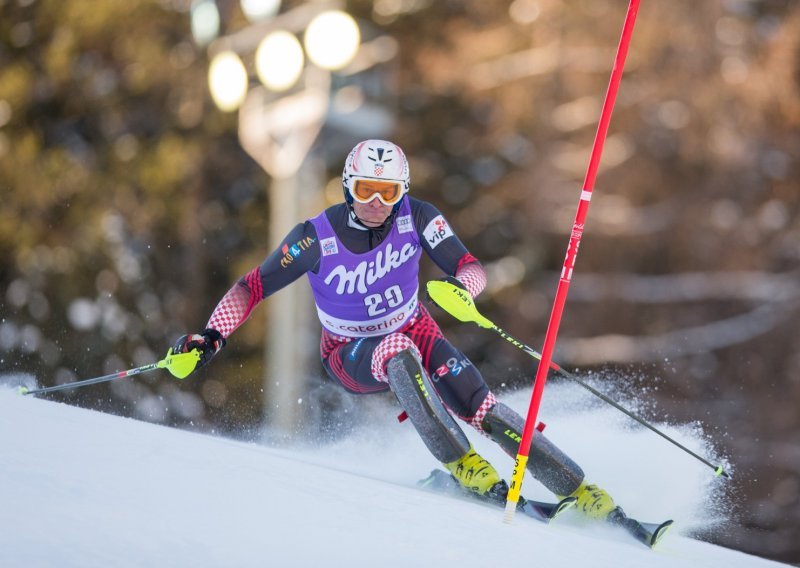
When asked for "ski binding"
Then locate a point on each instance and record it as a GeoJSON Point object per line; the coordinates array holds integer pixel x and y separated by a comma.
{"type": "Point", "coordinates": [442, 482]}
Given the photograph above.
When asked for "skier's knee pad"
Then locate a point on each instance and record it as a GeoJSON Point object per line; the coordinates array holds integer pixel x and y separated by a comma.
{"type": "Point", "coordinates": [390, 346]}
{"type": "Point", "coordinates": [415, 393]}
{"type": "Point", "coordinates": [552, 467]}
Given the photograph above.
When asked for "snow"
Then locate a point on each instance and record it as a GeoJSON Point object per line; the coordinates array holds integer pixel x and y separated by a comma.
{"type": "Point", "coordinates": [80, 488]}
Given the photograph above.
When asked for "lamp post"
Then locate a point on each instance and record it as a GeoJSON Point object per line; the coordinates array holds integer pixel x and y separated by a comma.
{"type": "Point", "coordinates": [280, 117]}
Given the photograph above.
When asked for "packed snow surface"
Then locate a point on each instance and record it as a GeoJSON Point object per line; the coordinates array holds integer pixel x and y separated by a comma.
{"type": "Point", "coordinates": [80, 488]}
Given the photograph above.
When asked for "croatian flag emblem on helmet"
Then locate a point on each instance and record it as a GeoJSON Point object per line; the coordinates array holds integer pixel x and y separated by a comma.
{"type": "Point", "coordinates": [380, 156]}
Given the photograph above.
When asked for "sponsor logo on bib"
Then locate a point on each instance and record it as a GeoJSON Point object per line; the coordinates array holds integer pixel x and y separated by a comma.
{"type": "Point", "coordinates": [366, 273]}
{"type": "Point", "coordinates": [329, 246]}
{"type": "Point", "coordinates": [404, 224]}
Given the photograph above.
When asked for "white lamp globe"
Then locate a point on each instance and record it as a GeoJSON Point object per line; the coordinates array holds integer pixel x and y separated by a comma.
{"type": "Point", "coordinates": [227, 80]}
{"type": "Point", "coordinates": [260, 10]}
{"type": "Point", "coordinates": [331, 39]}
{"type": "Point", "coordinates": [279, 60]}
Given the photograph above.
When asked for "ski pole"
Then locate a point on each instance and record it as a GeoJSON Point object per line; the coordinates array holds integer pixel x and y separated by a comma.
{"type": "Point", "coordinates": [458, 304]}
{"type": "Point", "coordinates": [179, 364]}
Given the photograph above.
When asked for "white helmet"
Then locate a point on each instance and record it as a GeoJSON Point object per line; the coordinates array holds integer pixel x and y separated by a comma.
{"type": "Point", "coordinates": [375, 159]}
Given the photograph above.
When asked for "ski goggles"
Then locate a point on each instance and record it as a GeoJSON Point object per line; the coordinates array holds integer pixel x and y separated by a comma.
{"type": "Point", "coordinates": [365, 190]}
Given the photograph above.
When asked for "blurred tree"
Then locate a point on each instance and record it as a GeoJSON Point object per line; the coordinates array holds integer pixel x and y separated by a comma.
{"type": "Point", "coordinates": [126, 198]}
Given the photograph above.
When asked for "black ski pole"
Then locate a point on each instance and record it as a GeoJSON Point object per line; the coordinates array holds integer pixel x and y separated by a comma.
{"type": "Point", "coordinates": [179, 364]}
{"type": "Point", "coordinates": [557, 368]}
{"type": "Point", "coordinates": [458, 304]}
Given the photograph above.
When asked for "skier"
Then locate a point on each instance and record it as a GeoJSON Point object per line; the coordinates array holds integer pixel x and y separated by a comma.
{"type": "Point", "coordinates": [362, 260]}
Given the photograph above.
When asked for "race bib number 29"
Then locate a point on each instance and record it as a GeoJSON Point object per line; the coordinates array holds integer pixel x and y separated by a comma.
{"type": "Point", "coordinates": [393, 297]}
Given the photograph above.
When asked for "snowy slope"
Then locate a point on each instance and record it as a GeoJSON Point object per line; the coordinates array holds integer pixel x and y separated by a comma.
{"type": "Point", "coordinates": [82, 489]}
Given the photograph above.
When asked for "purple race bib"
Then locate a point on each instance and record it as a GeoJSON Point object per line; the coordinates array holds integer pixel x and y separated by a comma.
{"type": "Point", "coordinates": [375, 293]}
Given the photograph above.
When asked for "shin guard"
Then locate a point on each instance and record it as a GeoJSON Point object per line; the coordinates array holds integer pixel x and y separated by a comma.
{"type": "Point", "coordinates": [552, 467]}
{"type": "Point", "coordinates": [412, 387]}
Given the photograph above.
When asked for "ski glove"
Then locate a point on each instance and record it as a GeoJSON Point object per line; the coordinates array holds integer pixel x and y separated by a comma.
{"type": "Point", "coordinates": [208, 343]}
{"type": "Point", "coordinates": [451, 280]}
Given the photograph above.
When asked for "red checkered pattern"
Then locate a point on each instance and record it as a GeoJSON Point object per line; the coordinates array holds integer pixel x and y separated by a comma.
{"type": "Point", "coordinates": [485, 406]}
{"type": "Point", "coordinates": [236, 306]}
{"type": "Point", "coordinates": [329, 347]}
{"type": "Point", "coordinates": [390, 346]}
{"type": "Point", "coordinates": [472, 276]}
{"type": "Point", "coordinates": [424, 332]}
{"type": "Point", "coordinates": [329, 341]}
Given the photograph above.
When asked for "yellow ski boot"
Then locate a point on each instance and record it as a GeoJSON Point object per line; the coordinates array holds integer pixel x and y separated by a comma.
{"type": "Point", "coordinates": [474, 473]}
{"type": "Point", "coordinates": [594, 502]}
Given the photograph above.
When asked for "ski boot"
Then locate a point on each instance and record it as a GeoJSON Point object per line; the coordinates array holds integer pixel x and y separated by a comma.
{"type": "Point", "coordinates": [476, 475]}
{"type": "Point", "coordinates": [594, 502]}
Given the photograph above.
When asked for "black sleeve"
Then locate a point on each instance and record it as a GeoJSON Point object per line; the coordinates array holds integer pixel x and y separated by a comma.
{"type": "Point", "coordinates": [437, 237]}
{"type": "Point", "coordinates": [298, 253]}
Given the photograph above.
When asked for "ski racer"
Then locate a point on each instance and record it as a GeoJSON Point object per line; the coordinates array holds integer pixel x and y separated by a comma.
{"type": "Point", "coordinates": [362, 260]}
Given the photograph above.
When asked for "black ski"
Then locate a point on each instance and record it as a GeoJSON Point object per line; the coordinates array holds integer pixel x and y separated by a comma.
{"type": "Point", "coordinates": [442, 482]}
{"type": "Point", "coordinates": [648, 534]}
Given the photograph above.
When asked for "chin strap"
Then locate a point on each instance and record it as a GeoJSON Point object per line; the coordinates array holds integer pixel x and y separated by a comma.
{"type": "Point", "coordinates": [355, 222]}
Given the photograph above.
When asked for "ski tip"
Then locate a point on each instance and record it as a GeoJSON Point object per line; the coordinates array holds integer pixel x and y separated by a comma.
{"type": "Point", "coordinates": [649, 534]}
{"type": "Point", "coordinates": [659, 533]}
{"type": "Point", "coordinates": [23, 390]}
{"type": "Point", "coordinates": [428, 480]}
{"type": "Point", "coordinates": [545, 511]}
{"type": "Point", "coordinates": [564, 504]}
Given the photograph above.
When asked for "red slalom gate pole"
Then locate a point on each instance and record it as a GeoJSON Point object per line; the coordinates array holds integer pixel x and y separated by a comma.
{"type": "Point", "coordinates": [569, 264]}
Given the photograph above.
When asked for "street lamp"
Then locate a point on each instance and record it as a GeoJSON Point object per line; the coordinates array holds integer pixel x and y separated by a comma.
{"type": "Point", "coordinates": [331, 40]}
{"type": "Point", "coordinates": [281, 115]}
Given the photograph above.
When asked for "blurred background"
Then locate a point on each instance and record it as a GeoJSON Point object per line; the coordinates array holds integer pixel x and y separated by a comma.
{"type": "Point", "coordinates": [152, 152]}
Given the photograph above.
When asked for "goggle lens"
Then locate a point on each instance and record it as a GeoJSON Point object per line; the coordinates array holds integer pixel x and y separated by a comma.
{"type": "Point", "coordinates": [365, 190]}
